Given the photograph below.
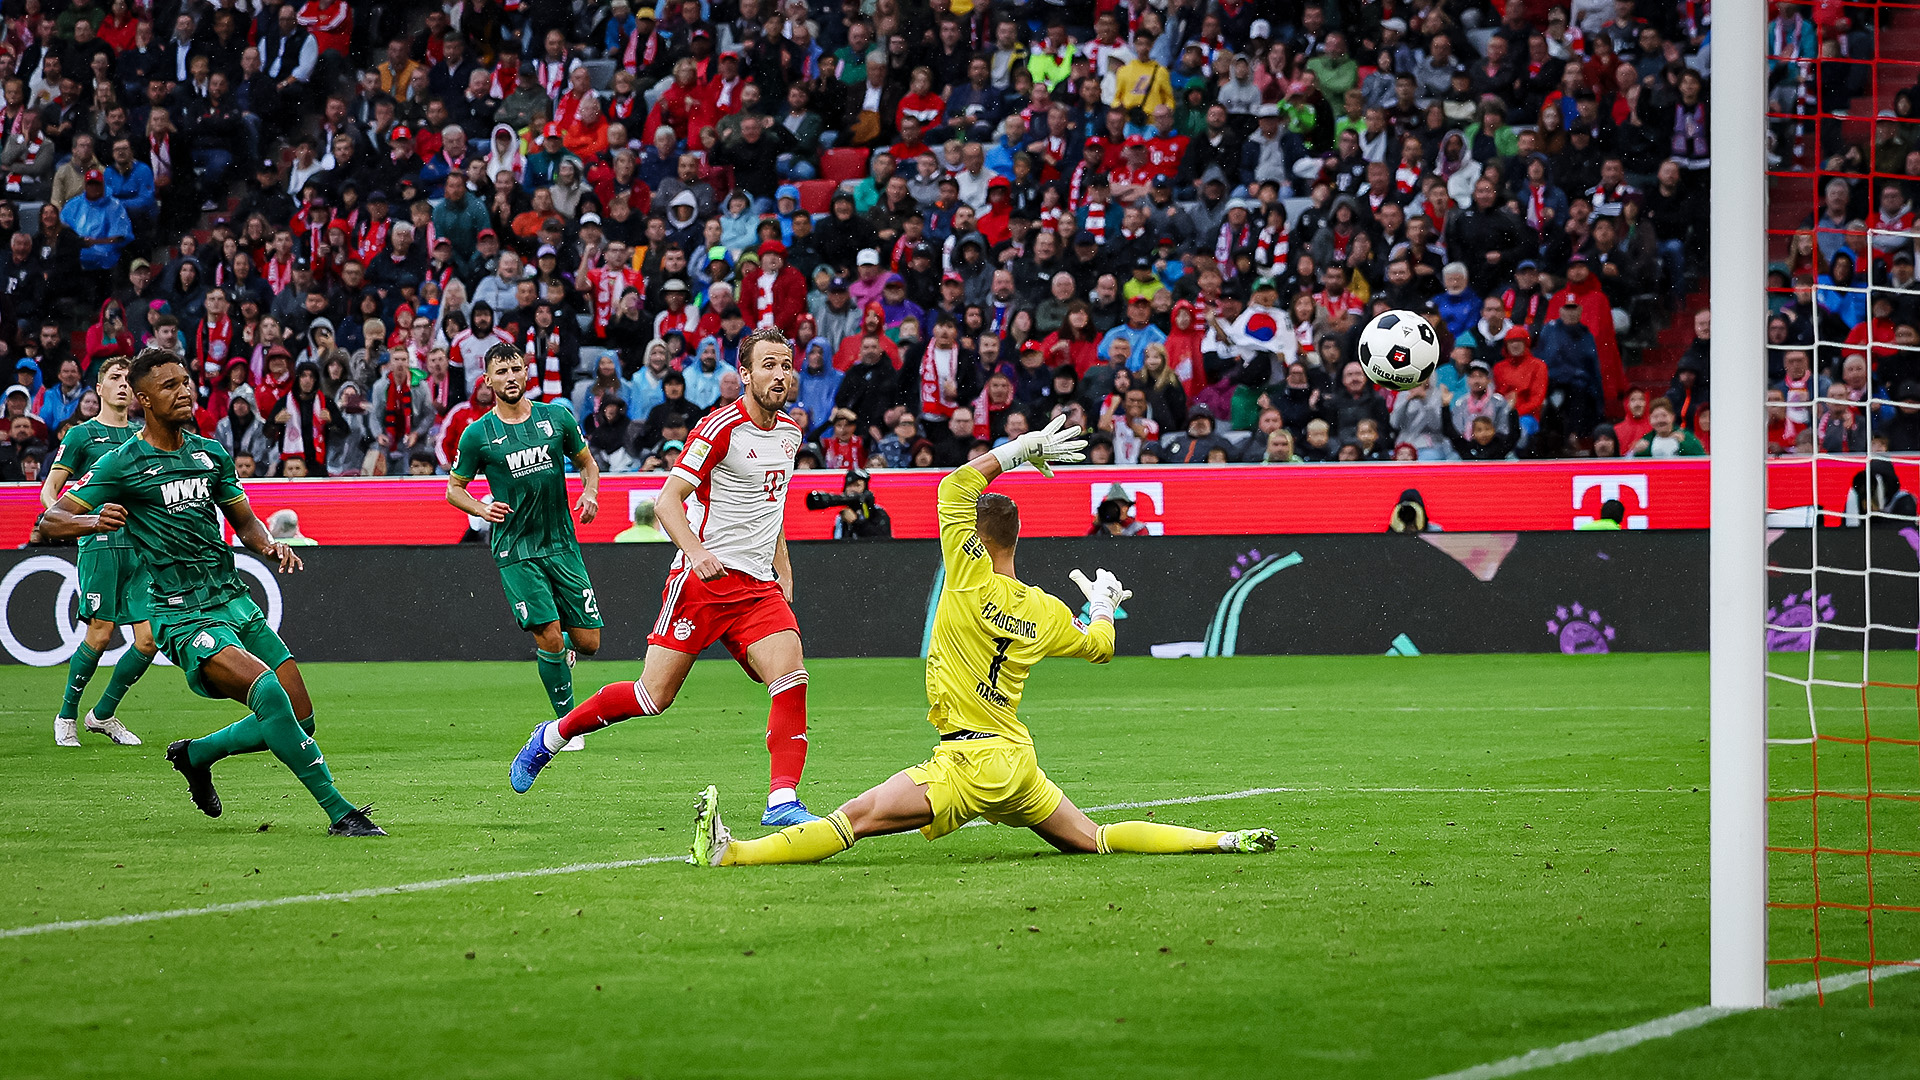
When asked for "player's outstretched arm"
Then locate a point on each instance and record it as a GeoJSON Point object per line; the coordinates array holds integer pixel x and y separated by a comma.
{"type": "Point", "coordinates": [68, 519]}
{"type": "Point", "coordinates": [248, 530]}
{"type": "Point", "coordinates": [1057, 443]}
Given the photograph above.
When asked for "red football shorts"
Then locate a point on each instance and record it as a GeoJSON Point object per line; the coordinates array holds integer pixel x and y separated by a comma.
{"type": "Point", "coordinates": [735, 609]}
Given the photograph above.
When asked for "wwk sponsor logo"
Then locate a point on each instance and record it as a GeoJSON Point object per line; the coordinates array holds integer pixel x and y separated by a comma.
{"type": "Point", "coordinates": [532, 459]}
{"type": "Point", "coordinates": [187, 493]}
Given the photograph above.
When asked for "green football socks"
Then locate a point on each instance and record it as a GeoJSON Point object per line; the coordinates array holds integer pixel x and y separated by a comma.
{"type": "Point", "coordinates": [557, 677]}
{"type": "Point", "coordinates": [243, 736]}
{"type": "Point", "coordinates": [80, 668]}
{"type": "Point", "coordinates": [293, 746]}
{"type": "Point", "coordinates": [272, 727]}
{"type": "Point", "coordinates": [133, 664]}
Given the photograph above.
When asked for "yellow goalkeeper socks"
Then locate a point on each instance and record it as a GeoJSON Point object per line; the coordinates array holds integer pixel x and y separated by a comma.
{"type": "Point", "coordinates": [807, 842]}
{"type": "Point", "coordinates": [1154, 839]}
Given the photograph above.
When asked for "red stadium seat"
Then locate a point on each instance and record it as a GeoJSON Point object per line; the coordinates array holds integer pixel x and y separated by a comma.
{"type": "Point", "coordinates": [843, 163]}
{"type": "Point", "coordinates": [816, 196]}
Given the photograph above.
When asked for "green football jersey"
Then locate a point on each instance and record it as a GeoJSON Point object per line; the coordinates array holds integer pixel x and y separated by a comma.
{"type": "Point", "coordinates": [80, 450]}
{"type": "Point", "coordinates": [525, 466]}
{"type": "Point", "coordinates": [172, 501]}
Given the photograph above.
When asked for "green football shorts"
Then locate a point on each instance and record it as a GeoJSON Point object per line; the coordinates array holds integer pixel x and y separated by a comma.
{"type": "Point", "coordinates": [190, 638]}
{"type": "Point", "coordinates": [550, 588]}
{"type": "Point", "coordinates": [113, 585]}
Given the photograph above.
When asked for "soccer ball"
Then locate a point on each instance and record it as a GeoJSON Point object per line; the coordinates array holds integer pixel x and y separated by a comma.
{"type": "Point", "coordinates": [1399, 349]}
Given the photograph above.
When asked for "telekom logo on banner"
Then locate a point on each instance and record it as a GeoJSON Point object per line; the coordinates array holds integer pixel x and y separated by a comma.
{"type": "Point", "coordinates": [1146, 497]}
{"type": "Point", "coordinates": [1610, 487]}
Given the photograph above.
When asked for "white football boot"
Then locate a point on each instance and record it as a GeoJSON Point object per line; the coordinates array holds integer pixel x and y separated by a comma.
{"type": "Point", "coordinates": [113, 729]}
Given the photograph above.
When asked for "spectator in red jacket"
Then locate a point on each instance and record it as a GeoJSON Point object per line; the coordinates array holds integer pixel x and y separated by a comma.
{"type": "Point", "coordinates": [1521, 378]}
{"type": "Point", "coordinates": [773, 293]}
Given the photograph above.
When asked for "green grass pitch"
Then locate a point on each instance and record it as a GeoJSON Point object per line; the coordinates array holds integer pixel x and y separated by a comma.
{"type": "Point", "coordinates": [1481, 855]}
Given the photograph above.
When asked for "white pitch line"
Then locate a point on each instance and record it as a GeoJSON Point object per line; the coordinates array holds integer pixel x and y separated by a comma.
{"type": "Point", "coordinates": [582, 868]}
{"type": "Point", "coordinates": [316, 898]}
{"type": "Point", "coordinates": [1612, 1041]}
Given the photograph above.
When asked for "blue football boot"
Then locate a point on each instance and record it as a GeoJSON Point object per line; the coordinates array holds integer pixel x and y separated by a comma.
{"type": "Point", "coordinates": [531, 759]}
{"type": "Point", "coordinates": [784, 814]}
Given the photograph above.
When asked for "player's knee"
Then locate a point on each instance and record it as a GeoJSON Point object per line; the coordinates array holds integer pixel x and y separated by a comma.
{"type": "Point", "coordinates": [99, 632]}
{"type": "Point", "coordinates": [1076, 843]}
{"type": "Point", "coordinates": [862, 815]}
{"type": "Point", "coordinates": [586, 642]}
{"type": "Point", "coordinates": [661, 697]}
{"type": "Point", "coordinates": [548, 637]}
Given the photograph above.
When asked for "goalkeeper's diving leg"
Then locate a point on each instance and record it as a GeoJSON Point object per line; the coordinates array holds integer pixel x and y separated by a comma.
{"type": "Point", "coordinates": [900, 805]}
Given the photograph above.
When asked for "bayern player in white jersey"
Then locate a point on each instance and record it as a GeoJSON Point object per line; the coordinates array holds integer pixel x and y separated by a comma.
{"type": "Point", "coordinates": [724, 506]}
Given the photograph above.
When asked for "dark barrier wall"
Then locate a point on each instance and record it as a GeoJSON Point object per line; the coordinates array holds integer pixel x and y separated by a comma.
{"type": "Point", "coordinates": [1447, 593]}
{"type": "Point", "coordinates": [1814, 609]}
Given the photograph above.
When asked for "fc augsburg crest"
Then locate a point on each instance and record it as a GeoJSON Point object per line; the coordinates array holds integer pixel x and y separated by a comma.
{"type": "Point", "coordinates": [546, 428]}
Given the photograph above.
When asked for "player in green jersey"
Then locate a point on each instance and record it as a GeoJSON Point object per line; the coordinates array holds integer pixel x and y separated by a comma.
{"type": "Point", "coordinates": [162, 488]}
{"type": "Point", "coordinates": [522, 446]}
{"type": "Point", "coordinates": [113, 581]}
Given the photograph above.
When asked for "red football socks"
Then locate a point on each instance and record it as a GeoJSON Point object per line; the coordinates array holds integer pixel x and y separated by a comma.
{"type": "Point", "coordinates": [787, 729]}
{"type": "Point", "coordinates": [610, 705]}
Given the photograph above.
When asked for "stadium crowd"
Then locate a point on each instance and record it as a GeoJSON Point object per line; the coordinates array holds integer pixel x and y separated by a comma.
{"type": "Point", "coordinates": [1168, 218]}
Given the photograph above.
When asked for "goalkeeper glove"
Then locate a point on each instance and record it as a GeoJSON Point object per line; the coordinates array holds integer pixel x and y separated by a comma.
{"type": "Point", "coordinates": [1057, 442]}
{"type": "Point", "coordinates": [1104, 593]}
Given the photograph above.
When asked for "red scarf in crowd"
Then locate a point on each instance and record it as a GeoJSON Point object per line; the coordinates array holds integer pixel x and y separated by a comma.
{"type": "Point", "coordinates": [553, 77]}
{"type": "Point", "coordinates": [279, 274]}
{"type": "Point", "coordinates": [15, 180]}
{"type": "Point", "coordinates": [936, 369]}
{"type": "Point", "coordinates": [212, 343]}
{"type": "Point", "coordinates": [1097, 222]}
{"type": "Point", "coordinates": [547, 361]}
{"type": "Point", "coordinates": [506, 79]}
{"type": "Point", "coordinates": [1273, 247]}
{"type": "Point", "coordinates": [399, 410]}
{"type": "Point", "coordinates": [373, 240]}
{"type": "Point", "coordinates": [1227, 242]}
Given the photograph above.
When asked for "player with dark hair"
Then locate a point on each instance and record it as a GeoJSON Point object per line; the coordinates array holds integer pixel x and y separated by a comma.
{"type": "Point", "coordinates": [162, 488]}
{"type": "Point", "coordinates": [113, 581]}
{"type": "Point", "coordinates": [521, 446]}
{"type": "Point", "coordinates": [988, 632]}
{"type": "Point", "coordinates": [731, 582]}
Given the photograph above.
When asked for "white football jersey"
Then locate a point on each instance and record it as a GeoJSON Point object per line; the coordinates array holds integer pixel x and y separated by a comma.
{"type": "Point", "coordinates": [739, 472]}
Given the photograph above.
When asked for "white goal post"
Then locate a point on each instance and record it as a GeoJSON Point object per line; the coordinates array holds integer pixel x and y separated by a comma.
{"type": "Point", "coordinates": [1738, 545]}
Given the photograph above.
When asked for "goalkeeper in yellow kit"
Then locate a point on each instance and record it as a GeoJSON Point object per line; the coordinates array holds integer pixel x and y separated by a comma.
{"type": "Point", "coordinates": [988, 632]}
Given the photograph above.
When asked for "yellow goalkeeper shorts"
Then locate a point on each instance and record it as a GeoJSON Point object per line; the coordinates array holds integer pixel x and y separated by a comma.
{"type": "Point", "coordinates": [993, 778]}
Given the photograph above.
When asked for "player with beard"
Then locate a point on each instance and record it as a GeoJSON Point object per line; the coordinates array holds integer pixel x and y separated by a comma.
{"type": "Point", "coordinates": [731, 582]}
{"type": "Point", "coordinates": [162, 487]}
{"type": "Point", "coordinates": [521, 446]}
{"type": "Point", "coordinates": [113, 581]}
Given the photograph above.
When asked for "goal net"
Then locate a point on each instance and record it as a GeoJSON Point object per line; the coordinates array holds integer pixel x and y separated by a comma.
{"type": "Point", "coordinates": [1843, 618]}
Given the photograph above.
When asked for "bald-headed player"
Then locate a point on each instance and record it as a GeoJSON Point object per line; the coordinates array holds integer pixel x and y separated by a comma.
{"type": "Point", "coordinates": [988, 632]}
{"type": "Point", "coordinates": [168, 488]}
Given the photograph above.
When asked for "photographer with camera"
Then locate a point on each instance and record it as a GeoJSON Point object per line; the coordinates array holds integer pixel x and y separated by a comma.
{"type": "Point", "coordinates": [860, 517]}
{"type": "Point", "coordinates": [1114, 517]}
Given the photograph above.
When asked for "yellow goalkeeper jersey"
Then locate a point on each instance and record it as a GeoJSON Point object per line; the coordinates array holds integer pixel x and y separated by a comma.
{"type": "Point", "coordinates": [989, 630]}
